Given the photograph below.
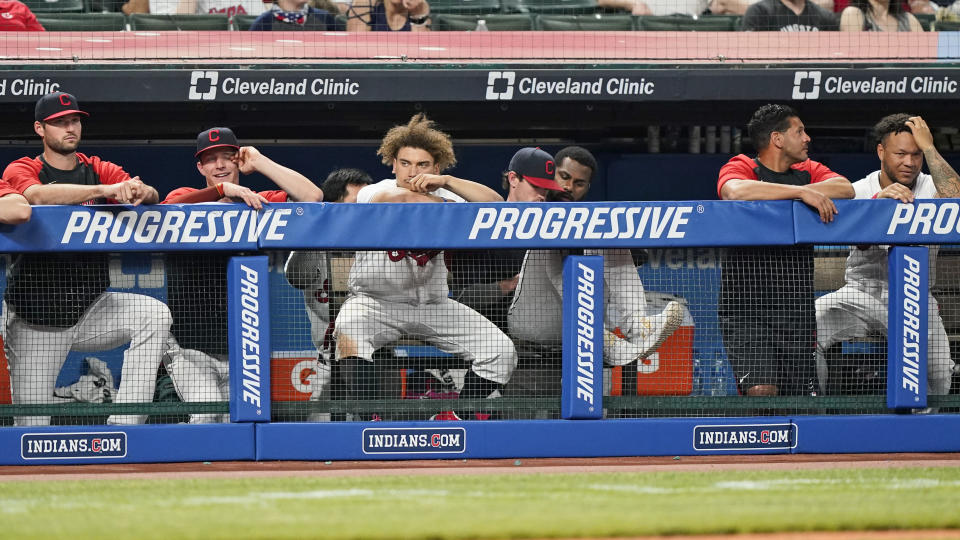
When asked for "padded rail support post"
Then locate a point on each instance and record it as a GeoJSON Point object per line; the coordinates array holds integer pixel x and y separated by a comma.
{"type": "Point", "coordinates": [248, 305]}
{"type": "Point", "coordinates": [582, 394]}
{"type": "Point", "coordinates": [907, 327]}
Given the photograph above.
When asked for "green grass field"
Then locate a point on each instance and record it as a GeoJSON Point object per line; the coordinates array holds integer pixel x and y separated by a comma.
{"type": "Point", "coordinates": [484, 506]}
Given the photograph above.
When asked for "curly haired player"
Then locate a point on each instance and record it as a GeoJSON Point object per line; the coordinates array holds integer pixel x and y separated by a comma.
{"type": "Point", "coordinates": [404, 292]}
{"type": "Point", "coordinates": [859, 308]}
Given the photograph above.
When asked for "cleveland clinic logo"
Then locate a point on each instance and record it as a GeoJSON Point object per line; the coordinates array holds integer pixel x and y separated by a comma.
{"type": "Point", "coordinates": [806, 85]}
{"type": "Point", "coordinates": [500, 84]}
{"type": "Point", "coordinates": [203, 85]}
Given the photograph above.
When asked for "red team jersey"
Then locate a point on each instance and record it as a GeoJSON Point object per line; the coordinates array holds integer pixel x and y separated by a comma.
{"type": "Point", "coordinates": [16, 17]}
{"type": "Point", "coordinates": [275, 195]}
{"type": "Point", "coordinates": [6, 189]}
{"type": "Point", "coordinates": [26, 172]}
{"type": "Point", "coordinates": [742, 167]}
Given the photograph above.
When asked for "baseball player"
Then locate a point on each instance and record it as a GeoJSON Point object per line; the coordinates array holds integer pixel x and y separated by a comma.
{"type": "Point", "coordinates": [536, 313]}
{"type": "Point", "coordinates": [59, 302]}
{"type": "Point", "coordinates": [859, 308]}
{"type": "Point", "coordinates": [404, 292]}
{"type": "Point", "coordinates": [766, 293]}
{"type": "Point", "coordinates": [309, 271]}
{"type": "Point", "coordinates": [197, 287]}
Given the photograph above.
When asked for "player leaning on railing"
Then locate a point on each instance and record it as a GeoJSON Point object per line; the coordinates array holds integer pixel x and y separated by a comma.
{"type": "Point", "coordinates": [60, 302]}
{"type": "Point", "coordinates": [404, 292]}
{"type": "Point", "coordinates": [766, 294]}
{"type": "Point", "coordinates": [197, 288]}
{"type": "Point", "coordinates": [859, 308]}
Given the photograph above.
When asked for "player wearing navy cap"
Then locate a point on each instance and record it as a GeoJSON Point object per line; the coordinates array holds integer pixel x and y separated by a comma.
{"type": "Point", "coordinates": [60, 302]}
{"type": "Point", "coordinates": [197, 289]}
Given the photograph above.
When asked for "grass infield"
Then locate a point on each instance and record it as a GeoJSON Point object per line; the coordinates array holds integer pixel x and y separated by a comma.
{"type": "Point", "coordinates": [484, 506]}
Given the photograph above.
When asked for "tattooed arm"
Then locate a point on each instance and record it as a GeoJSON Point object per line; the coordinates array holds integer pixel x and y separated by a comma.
{"type": "Point", "coordinates": [944, 176]}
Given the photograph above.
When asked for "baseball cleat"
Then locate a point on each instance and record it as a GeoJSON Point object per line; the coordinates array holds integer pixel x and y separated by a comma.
{"type": "Point", "coordinates": [655, 329]}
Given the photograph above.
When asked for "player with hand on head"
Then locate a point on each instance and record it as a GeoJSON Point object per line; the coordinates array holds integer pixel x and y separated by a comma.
{"type": "Point", "coordinates": [309, 271]}
{"type": "Point", "coordinates": [766, 293]}
{"type": "Point", "coordinates": [859, 308]}
{"type": "Point", "coordinates": [404, 292]}
{"type": "Point", "coordinates": [59, 302]}
{"type": "Point", "coordinates": [197, 287]}
{"type": "Point", "coordinates": [536, 313]}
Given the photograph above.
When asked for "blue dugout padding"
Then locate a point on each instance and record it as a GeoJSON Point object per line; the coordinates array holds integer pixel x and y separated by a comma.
{"type": "Point", "coordinates": [907, 316]}
{"type": "Point", "coordinates": [582, 338]}
{"type": "Point", "coordinates": [248, 305]}
{"type": "Point", "coordinates": [680, 225]}
{"type": "Point", "coordinates": [89, 445]}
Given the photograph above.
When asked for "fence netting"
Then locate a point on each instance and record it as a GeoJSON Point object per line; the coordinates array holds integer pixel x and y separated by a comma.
{"type": "Point", "coordinates": [444, 335]}
{"type": "Point", "coordinates": [703, 30]}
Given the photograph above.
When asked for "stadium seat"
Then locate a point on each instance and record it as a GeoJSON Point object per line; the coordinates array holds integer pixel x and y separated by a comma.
{"type": "Point", "coordinates": [560, 7]}
{"type": "Point", "coordinates": [54, 6]}
{"type": "Point", "coordinates": [494, 22]}
{"type": "Point", "coordinates": [83, 22]}
{"type": "Point", "coordinates": [926, 20]}
{"type": "Point", "coordinates": [243, 22]}
{"type": "Point", "coordinates": [946, 26]}
{"type": "Point", "coordinates": [596, 21]}
{"type": "Point", "coordinates": [148, 21]}
{"type": "Point", "coordinates": [705, 23]}
{"type": "Point", "coordinates": [465, 7]}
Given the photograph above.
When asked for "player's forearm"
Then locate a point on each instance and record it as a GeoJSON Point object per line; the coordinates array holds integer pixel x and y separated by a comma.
{"type": "Point", "coordinates": [472, 191]}
{"type": "Point", "coordinates": [944, 176]}
{"type": "Point", "coordinates": [835, 188]}
{"type": "Point", "coordinates": [62, 193]}
{"type": "Point", "coordinates": [400, 195]}
{"type": "Point", "coordinates": [208, 194]}
{"type": "Point", "coordinates": [753, 190]}
{"type": "Point", "coordinates": [14, 209]}
{"type": "Point", "coordinates": [297, 186]}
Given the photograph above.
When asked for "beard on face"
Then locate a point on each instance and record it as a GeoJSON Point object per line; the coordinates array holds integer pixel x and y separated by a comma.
{"type": "Point", "coordinates": [559, 196]}
{"type": "Point", "coordinates": [62, 147]}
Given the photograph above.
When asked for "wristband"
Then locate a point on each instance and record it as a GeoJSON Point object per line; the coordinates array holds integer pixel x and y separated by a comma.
{"type": "Point", "coordinates": [419, 21]}
{"type": "Point", "coordinates": [219, 188]}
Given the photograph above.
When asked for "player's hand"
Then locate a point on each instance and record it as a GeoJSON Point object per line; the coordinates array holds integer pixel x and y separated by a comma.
{"type": "Point", "coordinates": [130, 191]}
{"type": "Point", "coordinates": [822, 204]}
{"type": "Point", "coordinates": [241, 193]}
{"type": "Point", "coordinates": [246, 159]}
{"type": "Point", "coordinates": [896, 191]}
{"type": "Point", "coordinates": [509, 285]}
{"type": "Point", "coordinates": [425, 183]}
{"type": "Point", "coordinates": [921, 132]}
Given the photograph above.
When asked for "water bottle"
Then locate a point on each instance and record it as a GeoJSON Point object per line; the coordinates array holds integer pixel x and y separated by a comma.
{"type": "Point", "coordinates": [718, 381]}
{"type": "Point", "coordinates": [481, 26]}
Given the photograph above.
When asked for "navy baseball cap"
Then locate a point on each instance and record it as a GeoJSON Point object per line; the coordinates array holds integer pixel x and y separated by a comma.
{"type": "Point", "coordinates": [216, 138]}
{"type": "Point", "coordinates": [55, 105]}
{"type": "Point", "coordinates": [535, 166]}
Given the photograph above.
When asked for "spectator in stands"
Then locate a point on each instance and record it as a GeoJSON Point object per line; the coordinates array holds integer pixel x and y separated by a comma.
{"type": "Point", "coordinates": [196, 286]}
{"type": "Point", "coordinates": [59, 301]}
{"type": "Point", "coordinates": [15, 16]}
{"type": "Point", "coordinates": [766, 294]}
{"type": "Point", "coordinates": [630, 335]}
{"type": "Point", "coordinates": [289, 15]}
{"type": "Point", "coordinates": [878, 16]}
{"type": "Point", "coordinates": [187, 7]}
{"type": "Point", "coordinates": [739, 7]}
{"type": "Point", "coordinates": [309, 271]}
{"type": "Point", "coordinates": [859, 308]}
{"type": "Point", "coordinates": [788, 16]}
{"type": "Point", "coordinates": [388, 16]}
{"type": "Point", "coordinates": [657, 7]}
{"type": "Point", "coordinates": [404, 292]}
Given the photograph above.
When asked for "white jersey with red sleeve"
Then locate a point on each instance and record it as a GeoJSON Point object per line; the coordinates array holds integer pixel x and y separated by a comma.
{"type": "Point", "coordinates": [401, 275]}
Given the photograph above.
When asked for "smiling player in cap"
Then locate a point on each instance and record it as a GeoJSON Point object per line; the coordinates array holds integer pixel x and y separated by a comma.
{"type": "Point", "coordinates": [197, 290]}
